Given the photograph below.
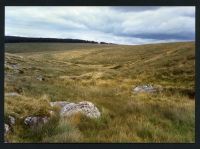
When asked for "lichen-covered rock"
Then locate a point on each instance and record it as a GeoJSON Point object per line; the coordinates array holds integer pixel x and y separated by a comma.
{"type": "Point", "coordinates": [35, 120]}
{"type": "Point", "coordinates": [145, 89]}
{"type": "Point", "coordinates": [87, 108]}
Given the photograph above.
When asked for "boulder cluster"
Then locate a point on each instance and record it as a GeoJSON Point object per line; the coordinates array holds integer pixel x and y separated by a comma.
{"type": "Point", "coordinates": [66, 109]}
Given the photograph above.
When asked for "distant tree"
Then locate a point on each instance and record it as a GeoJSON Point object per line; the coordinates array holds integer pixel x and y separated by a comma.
{"type": "Point", "coordinates": [16, 39]}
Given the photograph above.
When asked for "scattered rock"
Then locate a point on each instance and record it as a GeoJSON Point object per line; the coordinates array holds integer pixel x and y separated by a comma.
{"type": "Point", "coordinates": [40, 78]}
{"type": "Point", "coordinates": [6, 129]}
{"type": "Point", "coordinates": [14, 66]}
{"type": "Point", "coordinates": [12, 94]}
{"type": "Point", "coordinates": [85, 107]}
{"type": "Point", "coordinates": [11, 120]}
{"type": "Point", "coordinates": [11, 65]}
{"type": "Point", "coordinates": [145, 89]}
{"type": "Point", "coordinates": [35, 120]}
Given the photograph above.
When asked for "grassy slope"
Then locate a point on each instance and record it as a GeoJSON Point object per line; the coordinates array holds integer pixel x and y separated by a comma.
{"type": "Point", "coordinates": [105, 75]}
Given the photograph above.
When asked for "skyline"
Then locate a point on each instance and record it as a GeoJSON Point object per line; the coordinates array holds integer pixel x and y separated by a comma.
{"type": "Point", "coordinates": [120, 25]}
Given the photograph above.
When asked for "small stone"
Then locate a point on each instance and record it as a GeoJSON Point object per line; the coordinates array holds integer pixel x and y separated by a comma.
{"type": "Point", "coordinates": [35, 120]}
{"type": "Point", "coordinates": [40, 78]}
{"type": "Point", "coordinates": [11, 120]}
{"type": "Point", "coordinates": [6, 129]}
{"type": "Point", "coordinates": [12, 94]}
{"type": "Point", "coordinates": [15, 66]}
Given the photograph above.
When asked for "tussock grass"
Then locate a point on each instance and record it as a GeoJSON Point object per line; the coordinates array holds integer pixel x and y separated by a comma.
{"type": "Point", "coordinates": [62, 133]}
{"type": "Point", "coordinates": [22, 106]}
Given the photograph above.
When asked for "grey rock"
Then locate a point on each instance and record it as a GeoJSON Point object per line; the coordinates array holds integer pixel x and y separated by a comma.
{"type": "Point", "coordinates": [145, 89]}
{"type": "Point", "coordinates": [15, 66]}
{"type": "Point", "coordinates": [11, 120]}
{"type": "Point", "coordinates": [12, 94]}
{"type": "Point", "coordinates": [6, 129]}
{"type": "Point", "coordinates": [85, 107]}
{"type": "Point", "coordinates": [11, 66]}
{"type": "Point", "coordinates": [35, 120]}
{"type": "Point", "coordinates": [40, 78]}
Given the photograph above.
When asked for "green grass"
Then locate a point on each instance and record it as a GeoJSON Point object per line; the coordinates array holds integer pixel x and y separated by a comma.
{"type": "Point", "coordinates": [104, 75]}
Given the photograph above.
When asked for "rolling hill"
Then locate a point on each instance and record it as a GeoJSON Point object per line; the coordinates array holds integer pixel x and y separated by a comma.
{"type": "Point", "coordinates": [105, 75]}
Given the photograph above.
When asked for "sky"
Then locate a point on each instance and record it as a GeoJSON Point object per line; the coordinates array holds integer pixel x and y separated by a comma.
{"type": "Point", "coordinates": [120, 24]}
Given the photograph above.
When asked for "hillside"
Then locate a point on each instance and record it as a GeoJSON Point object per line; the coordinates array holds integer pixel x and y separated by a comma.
{"type": "Point", "coordinates": [106, 76]}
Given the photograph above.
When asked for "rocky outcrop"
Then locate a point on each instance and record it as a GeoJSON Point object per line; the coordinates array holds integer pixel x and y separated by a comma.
{"type": "Point", "coordinates": [35, 120]}
{"type": "Point", "coordinates": [86, 108]}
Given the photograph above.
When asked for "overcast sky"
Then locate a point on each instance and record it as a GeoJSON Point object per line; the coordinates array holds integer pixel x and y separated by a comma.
{"type": "Point", "coordinates": [123, 25]}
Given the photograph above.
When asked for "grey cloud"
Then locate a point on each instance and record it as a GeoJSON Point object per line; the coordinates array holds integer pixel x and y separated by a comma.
{"type": "Point", "coordinates": [127, 25]}
{"type": "Point", "coordinates": [162, 36]}
{"type": "Point", "coordinates": [135, 8]}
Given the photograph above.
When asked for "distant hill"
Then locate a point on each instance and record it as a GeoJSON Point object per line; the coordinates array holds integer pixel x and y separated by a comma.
{"type": "Point", "coordinates": [17, 39]}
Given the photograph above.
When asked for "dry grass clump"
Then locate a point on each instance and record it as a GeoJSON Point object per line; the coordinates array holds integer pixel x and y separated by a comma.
{"type": "Point", "coordinates": [22, 106]}
{"type": "Point", "coordinates": [62, 133]}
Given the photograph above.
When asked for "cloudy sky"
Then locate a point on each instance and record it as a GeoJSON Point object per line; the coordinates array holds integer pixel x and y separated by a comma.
{"type": "Point", "coordinates": [123, 25]}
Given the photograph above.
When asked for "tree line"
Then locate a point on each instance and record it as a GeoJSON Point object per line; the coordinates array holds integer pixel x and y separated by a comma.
{"type": "Point", "coordinates": [17, 39]}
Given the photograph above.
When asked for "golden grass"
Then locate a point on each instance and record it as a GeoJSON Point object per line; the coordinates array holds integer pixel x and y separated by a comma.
{"type": "Point", "coordinates": [22, 106]}
{"type": "Point", "coordinates": [106, 75]}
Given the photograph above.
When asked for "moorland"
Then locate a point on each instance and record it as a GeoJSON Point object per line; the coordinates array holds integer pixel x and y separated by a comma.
{"type": "Point", "coordinates": [106, 76]}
